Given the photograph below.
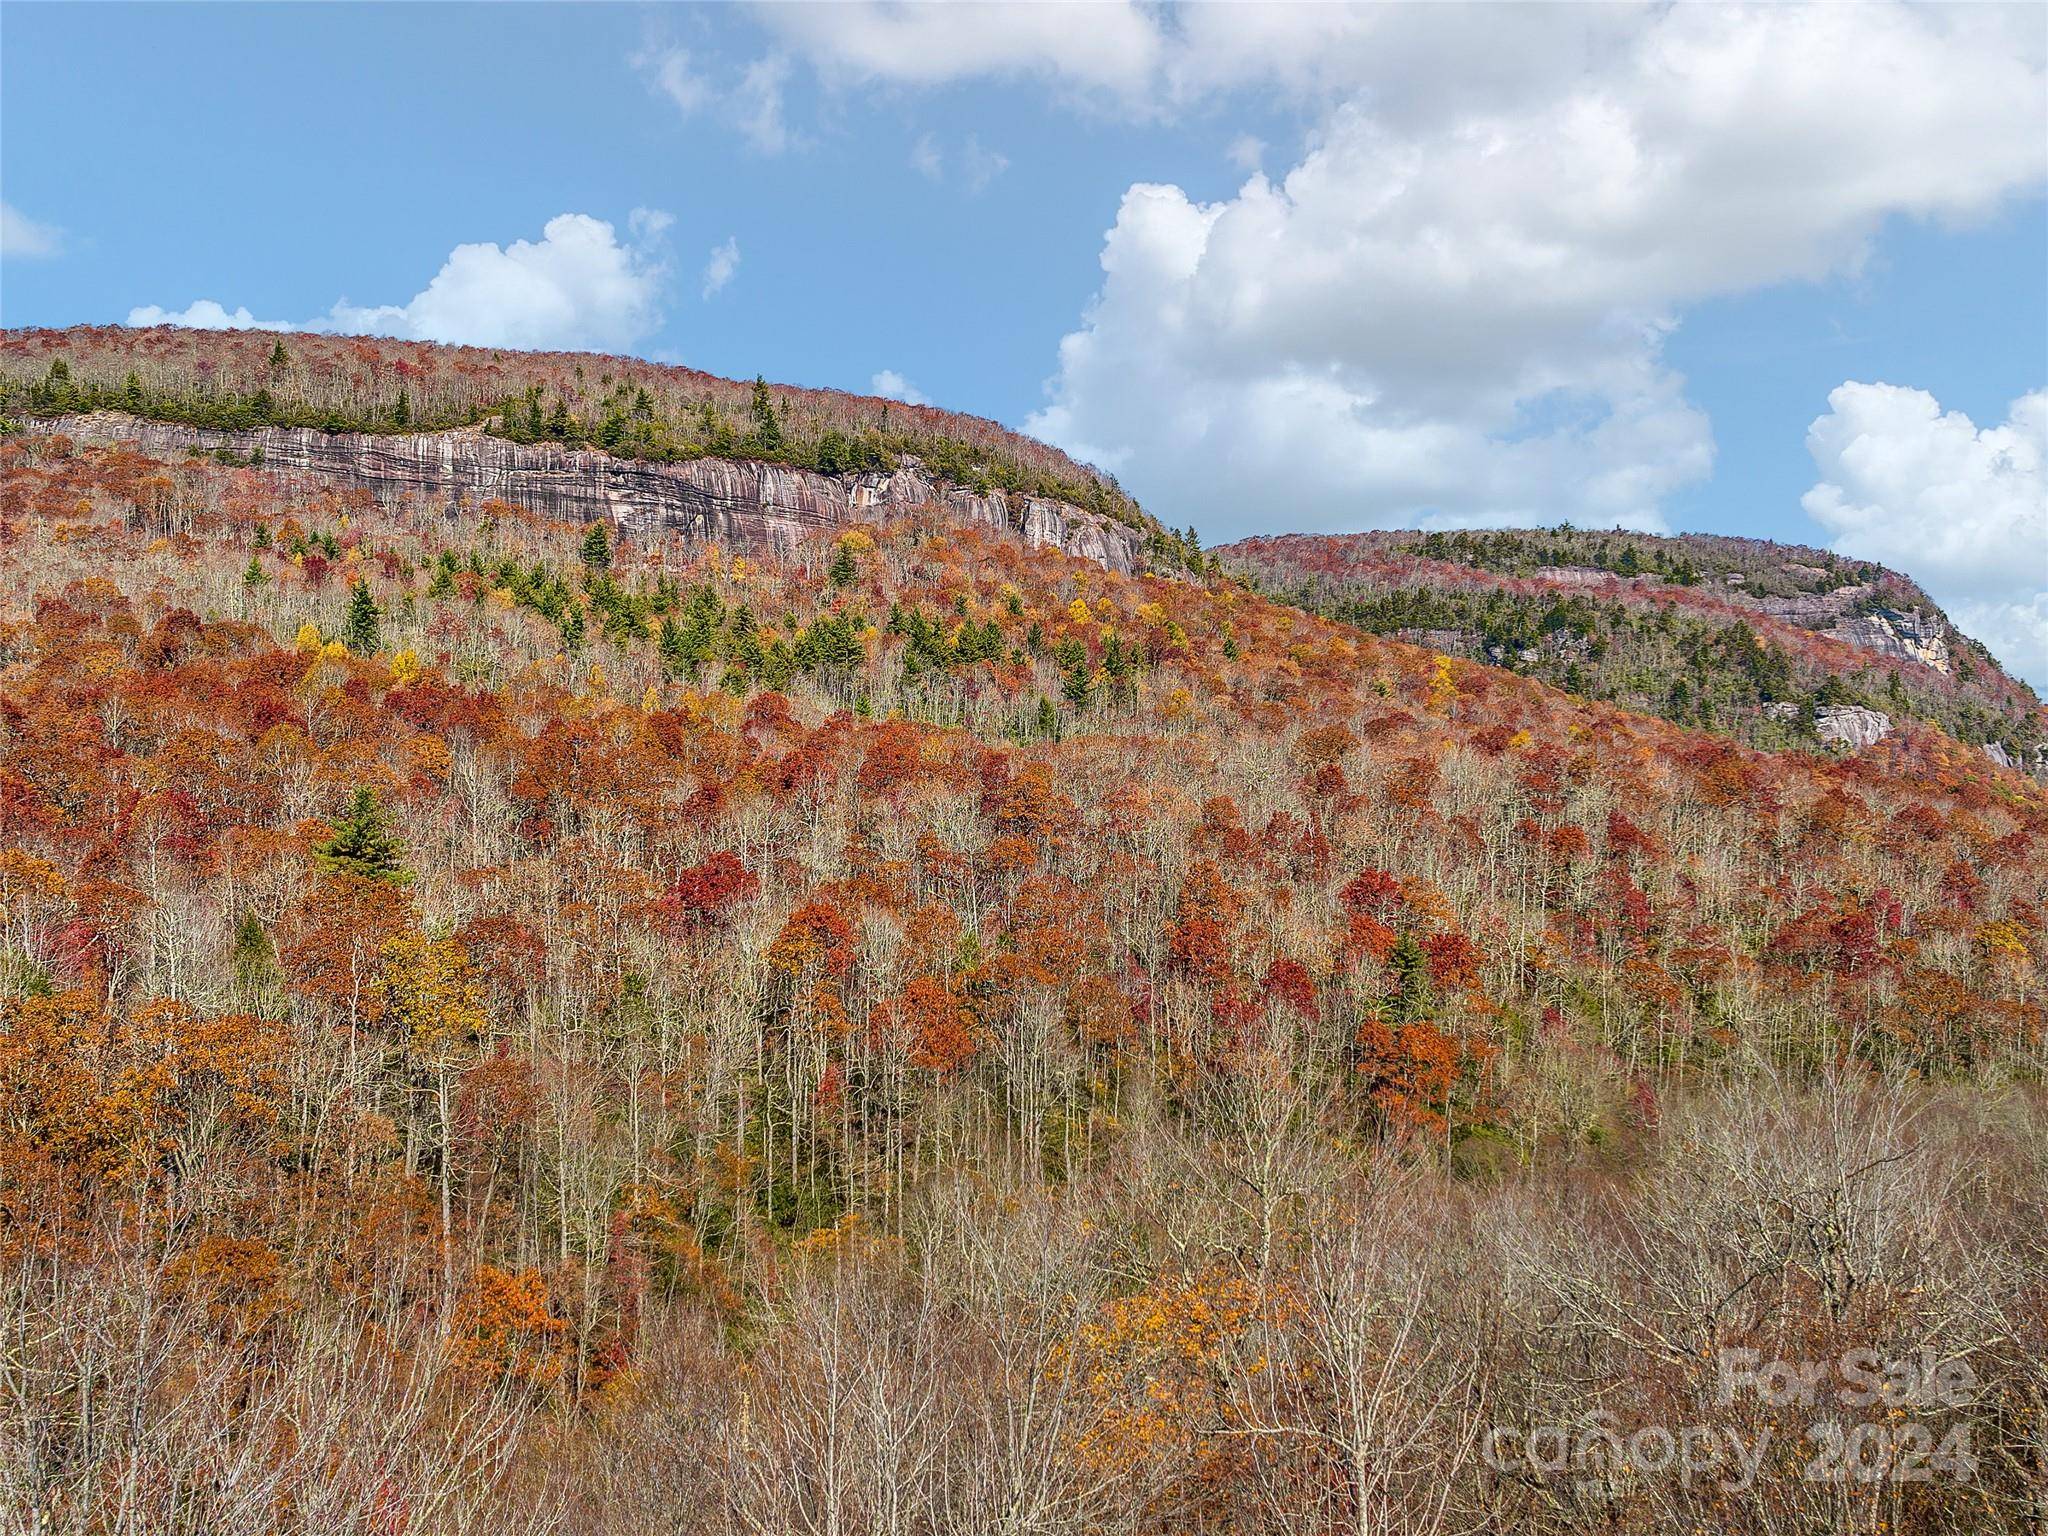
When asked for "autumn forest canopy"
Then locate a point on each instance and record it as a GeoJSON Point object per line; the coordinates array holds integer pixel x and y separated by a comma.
{"type": "Point", "coordinates": [510, 1025]}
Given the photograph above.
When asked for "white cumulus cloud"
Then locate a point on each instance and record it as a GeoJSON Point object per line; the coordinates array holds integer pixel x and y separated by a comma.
{"type": "Point", "coordinates": [1247, 152]}
{"type": "Point", "coordinates": [720, 266]}
{"type": "Point", "coordinates": [1454, 307]}
{"type": "Point", "coordinates": [578, 286]}
{"type": "Point", "coordinates": [1114, 47]}
{"type": "Point", "coordinates": [207, 315]}
{"type": "Point", "coordinates": [1961, 509]}
{"type": "Point", "coordinates": [891, 385]}
{"type": "Point", "coordinates": [979, 165]}
{"type": "Point", "coordinates": [22, 236]}
{"type": "Point", "coordinates": [757, 105]}
{"type": "Point", "coordinates": [671, 72]}
{"type": "Point", "coordinates": [753, 106]}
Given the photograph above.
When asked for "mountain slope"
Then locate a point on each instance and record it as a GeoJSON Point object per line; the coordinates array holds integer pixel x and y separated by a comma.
{"type": "Point", "coordinates": [1779, 645]}
{"type": "Point", "coordinates": [1287, 750]}
{"type": "Point", "coordinates": [518, 1024]}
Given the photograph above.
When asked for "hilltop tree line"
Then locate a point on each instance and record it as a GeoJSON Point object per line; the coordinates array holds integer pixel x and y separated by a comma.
{"type": "Point", "coordinates": [1686, 561]}
{"type": "Point", "coordinates": [1671, 649]}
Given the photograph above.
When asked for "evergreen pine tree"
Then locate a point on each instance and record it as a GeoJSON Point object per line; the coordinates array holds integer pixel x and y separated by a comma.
{"type": "Point", "coordinates": [843, 568]}
{"type": "Point", "coordinates": [253, 576]}
{"type": "Point", "coordinates": [364, 844]}
{"type": "Point", "coordinates": [597, 548]}
{"type": "Point", "coordinates": [1079, 684]}
{"type": "Point", "coordinates": [1409, 997]}
{"type": "Point", "coordinates": [767, 425]}
{"type": "Point", "coordinates": [252, 958]}
{"type": "Point", "coordinates": [675, 652]}
{"type": "Point", "coordinates": [279, 358]}
{"type": "Point", "coordinates": [359, 630]}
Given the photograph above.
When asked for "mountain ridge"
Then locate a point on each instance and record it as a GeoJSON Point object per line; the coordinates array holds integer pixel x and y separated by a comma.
{"type": "Point", "coordinates": [1781, 645]}
{"type": "Point", "coordinates": [1770, 641]}
{"type": "Point", "coordinates": [627, 407]}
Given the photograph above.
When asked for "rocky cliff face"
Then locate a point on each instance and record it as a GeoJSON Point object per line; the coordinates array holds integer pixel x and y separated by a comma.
{"type": "Point", "coordinates": [739, 501]}
{"type": "Point", "coordinates": [1909, 636]}
{"type": "Point", "coordinates": [1850, 726]}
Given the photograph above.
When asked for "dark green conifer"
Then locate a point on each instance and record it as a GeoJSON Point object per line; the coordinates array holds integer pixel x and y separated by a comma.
{"type": "Point", "coordinates": [364, 844]}
{"type": "Point", "coordinates": [767, 424]}
{"type": "Point", "coordinates": [843, 567]}
{"type": "Point", "coordinates": [359, 630]}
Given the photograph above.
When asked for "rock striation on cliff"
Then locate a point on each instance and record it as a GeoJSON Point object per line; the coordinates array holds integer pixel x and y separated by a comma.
{"type": "Point", "coordinates": [1850, 726]}
{"type": "Point", "coordinates": [739, 501]}
{"type": "Point", "coordinates": [1846, 614]}
{"type": "Point", "coordinates": [1908, 636]}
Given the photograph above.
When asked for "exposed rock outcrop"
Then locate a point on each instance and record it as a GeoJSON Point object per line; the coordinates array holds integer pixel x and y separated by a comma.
{"type": "Point", "coordinates": [1899, 635]}
{"type": "Point", "coordinates": [1850, 726]}
{"type": "Point", "coordinates": [1995, 750]}
{"type": "Point", "coordinates": [741, 501]}
{"type": "Point", "coordinates": [1813, 610]}
{"type": "Point", "coordinates": [1908, 636]}
{"type": "Point", "coordinates": [1578, 576]}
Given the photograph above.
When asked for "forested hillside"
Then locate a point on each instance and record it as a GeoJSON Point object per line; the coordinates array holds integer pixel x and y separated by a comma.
{"type": "Point", "coordinates": [507, 1027]}
{"type": "Point", "coordinates": [238, 380]}
{"type": "Point", "coordinates": [1761, 641]}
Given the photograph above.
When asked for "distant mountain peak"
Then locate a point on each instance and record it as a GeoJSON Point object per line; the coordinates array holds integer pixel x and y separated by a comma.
{"type": "Point", "coordinates": [1770, 642]}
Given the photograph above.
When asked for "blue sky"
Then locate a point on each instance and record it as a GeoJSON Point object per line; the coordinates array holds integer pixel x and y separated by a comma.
{"type": "Point", "coordinates": [1319, 268]}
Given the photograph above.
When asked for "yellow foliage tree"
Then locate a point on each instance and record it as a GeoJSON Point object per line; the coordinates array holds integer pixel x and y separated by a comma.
{"type": "Point", "coordinates": [431, 993]}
